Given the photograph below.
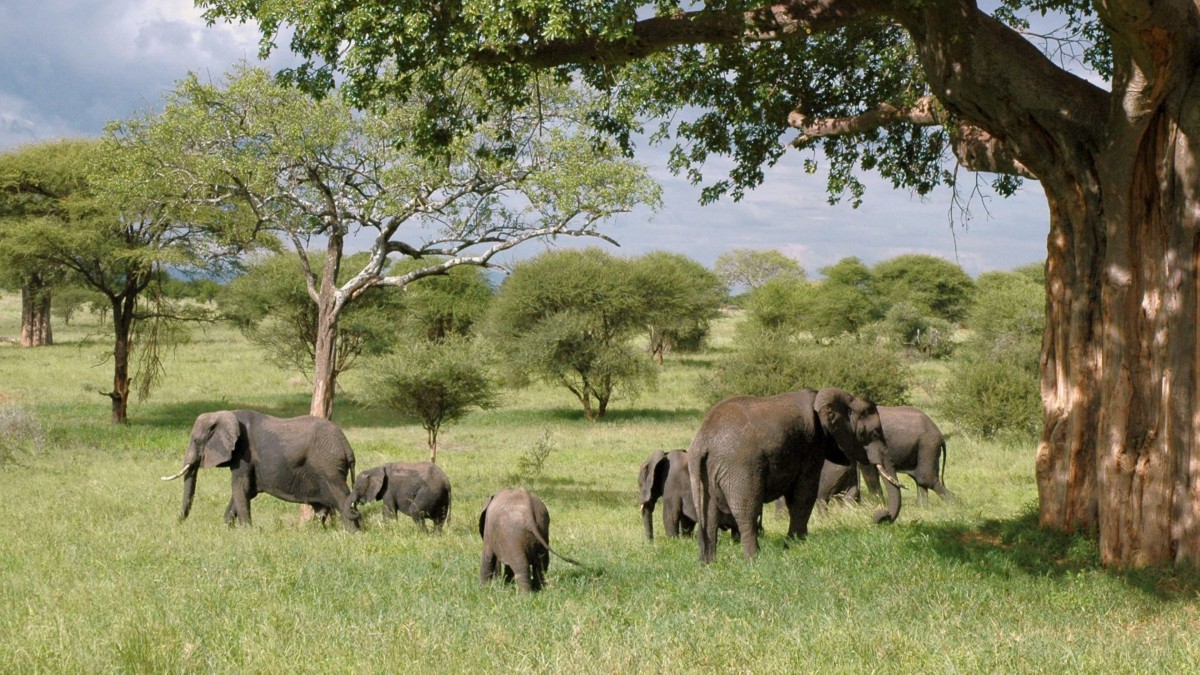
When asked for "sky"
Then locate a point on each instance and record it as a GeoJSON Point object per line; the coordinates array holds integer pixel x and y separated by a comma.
{"type": "Point", "coordinates": [69, 67]}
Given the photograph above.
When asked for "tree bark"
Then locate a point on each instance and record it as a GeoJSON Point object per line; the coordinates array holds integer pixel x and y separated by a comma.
{"type": "Point", "coordinates": [35, 312]}
{"type": "Point", "coordinates": [123, 318]}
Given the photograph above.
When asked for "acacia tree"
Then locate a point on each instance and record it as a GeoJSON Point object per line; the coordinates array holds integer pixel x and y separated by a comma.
{"type": "Point", "coordinates": [750, 268]}
{"type": "Point", "coordinates": [893, 86]}
{"type": "Point", "coordinates": [112, 233]}
{"type": "Point", "coordinates": [315, 171]}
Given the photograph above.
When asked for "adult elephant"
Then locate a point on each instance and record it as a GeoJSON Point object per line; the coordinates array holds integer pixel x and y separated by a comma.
{"type": "Point", "coordinates": [916, 447]}
{"type": "Point", "coordinates": [750, 450]}
{"type": "Point", "coordinates": [300, 459]}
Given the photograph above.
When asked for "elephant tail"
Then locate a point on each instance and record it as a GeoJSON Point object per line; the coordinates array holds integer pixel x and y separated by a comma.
{"type": "Point", "coordinates": [699, 481]}
{"type": "Point", "coordinates": [943, 453]}
{"type": "Point", "coordinates": [538, 535]}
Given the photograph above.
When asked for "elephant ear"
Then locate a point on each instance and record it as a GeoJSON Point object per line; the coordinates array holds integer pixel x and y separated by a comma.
{"type": "Point", "coordinates": [833, 412]}
{"type": "Point", "coordinates": [483, 514]}
{"type": "Point", "coordinates": [377, 482]}
{"type": "Point", "coordinates": [222, 439]}
{"type": "Point", "coordinates": [653, 476]}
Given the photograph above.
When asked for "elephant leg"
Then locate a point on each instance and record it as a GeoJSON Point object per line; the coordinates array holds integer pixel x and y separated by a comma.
{"type": "Point", "coordinates": [746, 528]}
{"type": "Point", "coordinates": [922, 495]}
{"type": "Point", "coordinates": [706, 534]}
{"type": "Point", "coordinates": [687, 526]}
{"type": "Point", "coordinates": [487, 566]}
{"type": "Point", "coordinates": [419, 519]}
{"type": "Point", "coordinates": [671, 521]}
{"type": "Point", "coordinates": [801, 502]}
{"type": "Point", "coordinates": [389, 509]}
{"type": "Point", "coordinates": [230, 513]}
{"type": "Point", "coordinates": [240, 500]}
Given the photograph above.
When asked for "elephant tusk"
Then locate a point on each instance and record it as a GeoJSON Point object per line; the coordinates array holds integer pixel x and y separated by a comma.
{"type": "Point", "coordinates": [888, 477]}
{"type": "Point", "coordinates": [181, 472]}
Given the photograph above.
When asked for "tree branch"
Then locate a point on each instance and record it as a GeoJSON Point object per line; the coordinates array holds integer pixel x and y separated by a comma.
{"type": "Point", "coordinates": [795, 19]}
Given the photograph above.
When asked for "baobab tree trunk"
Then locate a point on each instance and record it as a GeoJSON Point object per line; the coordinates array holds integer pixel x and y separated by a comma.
{"type": "Point", "coordinates": [1120, 452]}
{"type": "Point", "coordinates": [35, 312]}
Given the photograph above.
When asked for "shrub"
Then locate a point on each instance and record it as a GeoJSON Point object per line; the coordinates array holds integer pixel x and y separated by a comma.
{"type": "Point", "coordinates": [20, 434]}
{"type": "Point", "coordinates": [992, 397]}
{"type": "Point", "coordinates": [766, 363]}
{"type": "Point", "coordinates": [532, 462]}
{"type": "Point", "coordinates": [906, 325]}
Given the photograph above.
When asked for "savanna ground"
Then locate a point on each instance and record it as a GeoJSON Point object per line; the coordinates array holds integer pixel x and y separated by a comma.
{"type": "Point", "coordinates": [97, 575]}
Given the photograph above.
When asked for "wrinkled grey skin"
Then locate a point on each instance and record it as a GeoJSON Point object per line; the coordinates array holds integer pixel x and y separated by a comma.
{"type": "Point", "coordinates": [665, 476]}
{"type": "Point", "coordinates": [420, 490]}
{"type": "Point", "coordinates": [916, 447]}
{"type": "Point", "coordinates": [515, 527]}
{"type": "Point", "coordinates": [750, 450]}
{"type": "Point", "coordinates": [301, 459]}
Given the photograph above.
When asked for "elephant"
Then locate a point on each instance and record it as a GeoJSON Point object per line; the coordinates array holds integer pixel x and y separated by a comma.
{"type": "Point", "coordinates": [301, 459]}
{"type": "Point", "coordinates": [750, 450]}
{"type": "Point", "coordinates": [665, 475]}
{"type": "Point", "coordinates": [515, 527]}
{"type": "Point", "coordinates": [420, 490]}
{"type": "Point", "coordinates": [838, 481]}
{"type": "Point", "coordinates": [916, 447]}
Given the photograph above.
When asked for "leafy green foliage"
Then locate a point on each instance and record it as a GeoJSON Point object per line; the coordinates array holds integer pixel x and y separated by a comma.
{"type": "Point", "coordinates": [937, 287]}
{"type": "Point", "coordinates": [782, 304]}
{"type": "Point", "coordinates": [436, 381]}
{"type": "Point", "coordinates": [442, 305]}
{"type": "Point", "coordinates": [681, 298]}
{"type": "Point", "coordinates": [270, 304]}
{"type": "Point", "coordinates": [765, 363]}
{"type": "Point", "coordinates": [996, 390]}
{"type": "Point", "coordinates": [567, 317]}
{"type": "Point", "coordinates": [909, 326]}
{"type": "Point", "coordinates": [749, 269]}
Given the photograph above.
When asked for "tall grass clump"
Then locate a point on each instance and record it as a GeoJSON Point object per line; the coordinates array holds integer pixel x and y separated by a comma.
{"type": "Point", "coordinates": [21, 434]}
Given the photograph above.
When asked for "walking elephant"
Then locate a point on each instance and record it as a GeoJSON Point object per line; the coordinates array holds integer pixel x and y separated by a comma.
{"type": "Point", "coordinates": [301, 459]}
{"type": "Point", "coordinates": [915, 446]}
{"type": "Point", "coordinates": [515, 526]}
{"type": "Point", "coordinates": [838, 480]}
{"type": "Point", "coordinates": [750, 450]}
{"type": "Point", "coordinates": [665, 476]}
{"type": "Point", "coordinates": [420, 490]}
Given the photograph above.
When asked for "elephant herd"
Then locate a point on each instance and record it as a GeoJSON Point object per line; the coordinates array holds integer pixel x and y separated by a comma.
{"type": "Point", "coordinates": [800, 448]}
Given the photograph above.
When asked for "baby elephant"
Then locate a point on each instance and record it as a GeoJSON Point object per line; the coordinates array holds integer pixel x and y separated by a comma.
{"type": "Point", "coordinates": [420, 490]}
{"type": "Point", "coordinates": [665, 476]}
{"type": "Point", "coordinates": [515, 527]}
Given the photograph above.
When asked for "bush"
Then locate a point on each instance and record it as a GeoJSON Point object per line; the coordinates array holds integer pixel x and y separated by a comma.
{"type": "Point", "coordinates": [767, 363]}
{"type": "Point", "coordinates": [20, 434]}
{"type": "Point", "coordinates": [992, 397]}
{"type": "Point", "coordinates": [906, 325]}
{"type": "Point", "coordinates": [436, 381]}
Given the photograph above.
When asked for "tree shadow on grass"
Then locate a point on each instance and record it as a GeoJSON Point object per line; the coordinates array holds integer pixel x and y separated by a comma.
{"type": "Point", "coordinates": [1004, 546]}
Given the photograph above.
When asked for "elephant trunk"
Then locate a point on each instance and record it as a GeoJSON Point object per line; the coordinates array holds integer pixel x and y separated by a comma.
{"type": "Point", "coordinates": [189, 490]}
{"type": "Point", "coordinates": [648, 521]}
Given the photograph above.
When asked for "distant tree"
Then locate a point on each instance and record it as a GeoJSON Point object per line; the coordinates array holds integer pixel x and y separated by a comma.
{"type": "Point", "coordinates": [782, 304]}
{"type": "Point", "coordinates": [436, 381]}
{"type": "Point", "coordinates": [70, 299]}
{"type": "Point", "coordinates": [843, 303]}
{"type": "Point", "coordinates": [116, 233]}
{"type": "Point", "coordinates": [912, 328]}
{"type": "Point", "coordinates": [439, 306]}
{"type": "Point", "coordinates": [681, 298]}
{"type": "Point", "coordinates": [750, 269]}
{"type": "Point", "coordinates": [317, 171]}
{"type": "Point", "coordinates": [566, 317]}
{"type": "Point", "coordinates": [270, 305]}
{"type": "Point", "coordinates": [935, 285]}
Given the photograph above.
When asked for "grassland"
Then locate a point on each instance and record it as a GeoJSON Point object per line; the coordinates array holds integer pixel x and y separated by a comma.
{"type": "Point", "coordinates": [96, 575]}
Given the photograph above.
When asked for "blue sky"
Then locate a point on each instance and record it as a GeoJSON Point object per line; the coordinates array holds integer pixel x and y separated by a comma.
{"type": "Point", "coordinates": [69, 67]}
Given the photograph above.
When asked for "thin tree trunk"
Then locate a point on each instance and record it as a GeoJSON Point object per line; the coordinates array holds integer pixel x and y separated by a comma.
{"type": "Point", "coordinates": [123, 317]}
{"type": "Point", "coordinates": [35, 312]}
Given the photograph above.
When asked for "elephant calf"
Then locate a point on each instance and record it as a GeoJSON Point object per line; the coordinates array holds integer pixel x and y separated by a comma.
{"type": "Point", "coordinates": [419, 490]}
{"type": "Point", "coordinates": [665, 476]}
{"type": "Point", "coordinates": [515, 527]}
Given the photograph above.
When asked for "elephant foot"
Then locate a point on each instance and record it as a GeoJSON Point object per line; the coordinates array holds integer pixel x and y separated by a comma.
{"type": "Point", "coordinates": [883, 516]}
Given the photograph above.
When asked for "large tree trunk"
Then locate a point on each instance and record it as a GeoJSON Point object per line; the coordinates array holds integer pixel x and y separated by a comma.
{"type": "Point", "coordinates": [325, 374]}
{"type": "Point", "coordinates": [1120, 453]}
{"type": "Point", "coordinates": [35, 312]}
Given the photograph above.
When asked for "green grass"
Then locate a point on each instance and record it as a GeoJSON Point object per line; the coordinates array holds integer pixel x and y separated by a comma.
{"type": "Point", "coordinates": [97, 575]}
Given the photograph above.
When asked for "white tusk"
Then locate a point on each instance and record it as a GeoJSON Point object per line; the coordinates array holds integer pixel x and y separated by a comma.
{"type": "Point", "coordinates": [181, 472]}
{"type": "Point", "coordinates": [888, 478]}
